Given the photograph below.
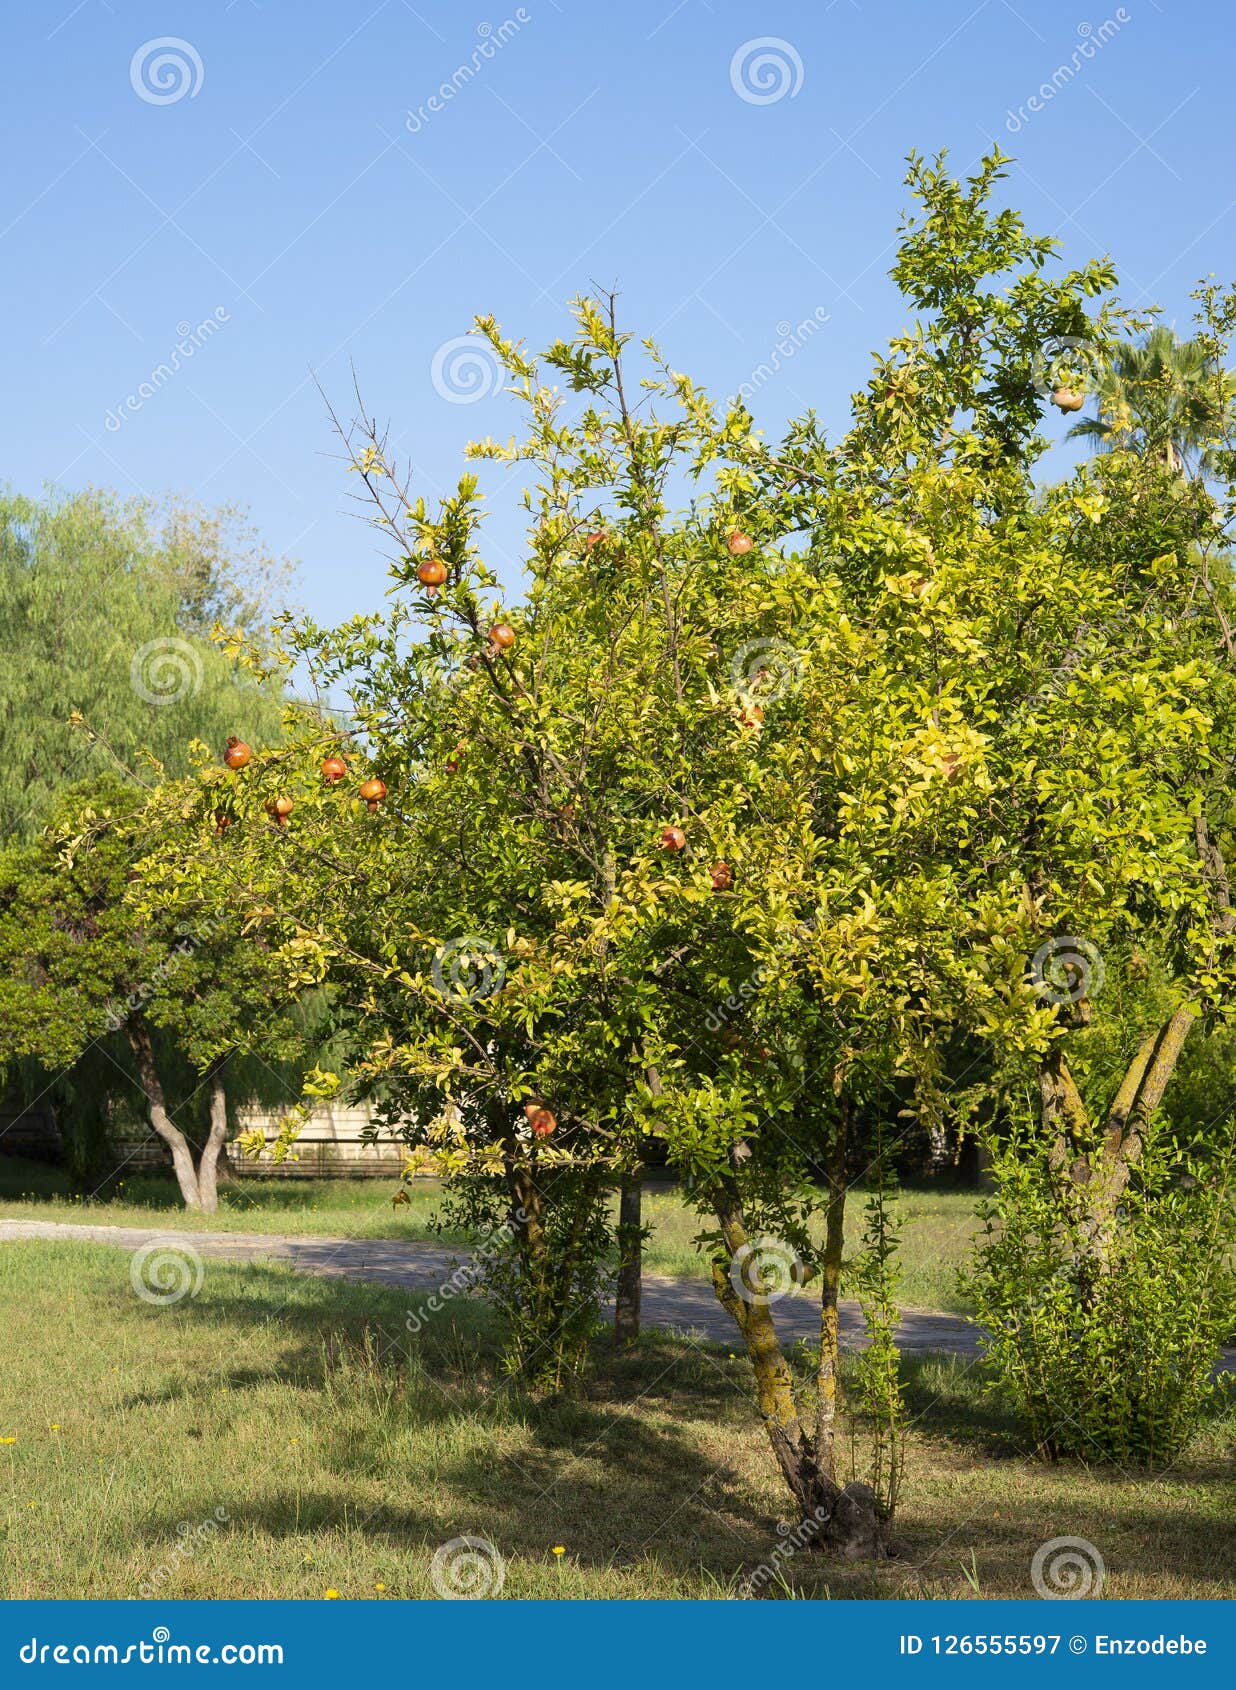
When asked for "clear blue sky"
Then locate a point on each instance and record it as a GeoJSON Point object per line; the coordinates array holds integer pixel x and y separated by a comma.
{"type": "Point", "coordinates": [287, 195]}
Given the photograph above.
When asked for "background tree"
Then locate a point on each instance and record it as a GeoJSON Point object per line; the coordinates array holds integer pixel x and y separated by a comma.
{"type": "Point", "coordinates": [105, 609]}
{"type": "Point", "coordinates": [1161, 395]}
{"type": "Point", "coordinates": [171, 1008]}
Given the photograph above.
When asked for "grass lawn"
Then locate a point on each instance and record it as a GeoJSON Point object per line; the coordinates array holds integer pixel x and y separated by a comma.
{"type": "Point", "coordinates": [936, 1224]}
{"type": "Point", "coordinates": [334, 1451]}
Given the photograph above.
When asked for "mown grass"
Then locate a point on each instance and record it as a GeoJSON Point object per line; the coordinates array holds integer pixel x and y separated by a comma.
{"type": "Point", "coordinates": [335, 1451]}
{"type": "Point", "coordinates": [936, 1225]}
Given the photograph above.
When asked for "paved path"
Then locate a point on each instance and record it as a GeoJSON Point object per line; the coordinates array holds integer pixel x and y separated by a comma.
{"type": "Point", "coordinates": [683, 1305]}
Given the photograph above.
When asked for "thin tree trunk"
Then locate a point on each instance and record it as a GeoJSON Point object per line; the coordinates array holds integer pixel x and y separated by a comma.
{"type": "Point", "coordinates": [845, 1518]}
{"type": "Point", "coordinates": [207, 1168]}
{"type": "Point", "coordinates": [630, 1262]}
{"type": "Point", "coordinates": [830, 1321]}
{"type": "Point", "coordinates": [160, 1120]}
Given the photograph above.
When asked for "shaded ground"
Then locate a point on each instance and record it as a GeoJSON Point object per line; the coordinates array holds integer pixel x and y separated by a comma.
{"type": "Point", "coordinates": [283, 1434]}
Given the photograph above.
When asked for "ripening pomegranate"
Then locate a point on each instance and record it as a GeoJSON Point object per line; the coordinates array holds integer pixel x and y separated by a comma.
{"type": "Point", "coordinates": [722, 877]}
{"type": "Point", "coordinates": [673, 839]}
{"type": "Point", "coordinates": [738, 544]}
{"type": "Point", "coordinates": [334, 768]}
{"type": "Point", "coordinates": [542, 1121]}
{"type": "Point", "coordinates": [373, 791]}
{"type": "Point", "coordinates": [222, 820]}
{"type": "Point", "coordinates": [237, 753]}
{"type": "Point", "coordinates": [502, 635]}
{"type": "Point", "coordinates": [279, 810]}
{"type": "Point", "coordinates": [1067, 399]}
{"type": "Point", "coordinates": [431, 573]}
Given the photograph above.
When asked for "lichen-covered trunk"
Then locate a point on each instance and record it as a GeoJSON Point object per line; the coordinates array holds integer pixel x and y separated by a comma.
{"type": "Point", "coordinates": [1093, 1160]}
{"type": "Point", "coordinates": [828, 1372]}
{"type": "Point", "coordinates": [846, 1515]}
{"type": "Point", "coordinates": [630, 1241]}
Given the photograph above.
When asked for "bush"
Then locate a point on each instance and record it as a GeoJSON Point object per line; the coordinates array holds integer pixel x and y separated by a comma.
{"type": "Point", "coordinates": [1105, 1339]}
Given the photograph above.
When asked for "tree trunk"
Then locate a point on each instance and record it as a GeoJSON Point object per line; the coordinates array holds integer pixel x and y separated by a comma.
{"type": "Point", "coordinates": [160, 1120]}
{"type": "Point", "coordinates": [207, 1168]}
{"type": "Point", "coordinates": [630, 1262]}
{"type": "Point", "coordinates": [830, 1321]}
{"type": "Point", "coordinates": [1094, 1160]}
{"type": "Point", "coordinates": [845, 1517]}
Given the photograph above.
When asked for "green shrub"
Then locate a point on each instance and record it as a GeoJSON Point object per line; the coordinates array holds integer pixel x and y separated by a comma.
{"type": "Point", "coordinates": [1105, 1338]}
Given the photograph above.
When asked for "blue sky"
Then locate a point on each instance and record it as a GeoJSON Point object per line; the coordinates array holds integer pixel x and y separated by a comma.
{"type": "Point", "coordinates": [278, 183]}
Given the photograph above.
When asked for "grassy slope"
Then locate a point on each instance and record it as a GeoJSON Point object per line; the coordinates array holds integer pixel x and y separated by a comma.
{"type": "Point", "coordinates": [342, 1452]}
{"type": "Point", "coordinates": [937, 1225]}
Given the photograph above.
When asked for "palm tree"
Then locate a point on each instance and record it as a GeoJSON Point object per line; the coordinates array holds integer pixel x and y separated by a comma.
{"type": "Point", "coordinates": [1162, 395]}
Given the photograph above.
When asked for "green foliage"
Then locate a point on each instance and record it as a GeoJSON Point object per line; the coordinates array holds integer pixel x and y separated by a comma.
{"type": "Point", "coordinates": [548, 1296]}
{"type": "Point", "coordinates": [105, 609]}
{"type": "Point", "coordinates": [1162, 395]}
{"type": "Point", "coordinates": [934, 722]}
{"type": "Point", "coordinates": [1106, 1345]}
{"type": "Point", "coordinates": [81, 972]}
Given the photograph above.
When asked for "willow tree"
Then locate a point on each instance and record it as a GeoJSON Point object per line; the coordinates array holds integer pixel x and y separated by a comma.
{"type": "Point", "coordinates": [105, 612]}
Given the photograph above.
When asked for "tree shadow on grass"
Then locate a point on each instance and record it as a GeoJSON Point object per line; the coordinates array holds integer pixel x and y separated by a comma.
{"type": "Point", "coordinates": [615, 1468]}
